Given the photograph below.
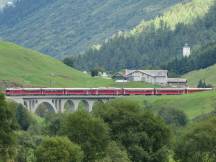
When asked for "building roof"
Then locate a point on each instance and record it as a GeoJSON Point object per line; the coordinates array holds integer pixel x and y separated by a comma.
{"type": "Point", "coordinates": [176, 80]}
{"type": "Point", "coordinates": [153, 73]}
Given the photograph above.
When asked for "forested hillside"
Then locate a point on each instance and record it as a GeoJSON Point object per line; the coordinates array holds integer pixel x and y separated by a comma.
{"type": "Point", "coordinates": [58, 27]}
{"type": "Point", "coordinates": [155, 43]}
{"type": "Point", "coordinates": [201, 58]}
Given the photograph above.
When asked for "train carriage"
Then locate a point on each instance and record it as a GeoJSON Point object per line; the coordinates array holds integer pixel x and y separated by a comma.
{"type": "Point", "coordinates": [170, 91]}
{"type": "Point", "coordinates": [195, 90]}
{"type": "Point", "coordinates": [102, 91]}
{"type": "Point", "coordinates": [110, 91]}
{"type": "Point", "coordinates": [52, 91]}
{"type": "Point", "coordinates": [77, 91]}
{"type": "Point", "coordinates": [139, 91]}
{"type": "Point", "coordinates": [23, 91]}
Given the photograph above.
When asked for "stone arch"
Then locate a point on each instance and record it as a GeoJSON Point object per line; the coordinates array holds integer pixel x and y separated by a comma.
{"type": "Point", "coordinates": [44, 101]}
{"type": "Point", "coordinates": [72, 105]}
{"type": "Point", "coordinates": [88, 104]}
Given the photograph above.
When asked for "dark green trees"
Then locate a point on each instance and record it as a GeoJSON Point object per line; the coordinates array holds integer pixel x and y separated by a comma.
{"type": "Point", "coordinates": [69, 61]}
{"type": "Point", "coordinates": [158, 42]}
{"type": "Point", "coordinates": [7, 136]}
{"type": "Point", "coordinates": [23, 117]}
{"type": "Point", "coordinates": [173, 117]}
{"type": "Point", "coordinates": [91, 133]}
{"type": "Point", "coordinates": [58, 149]}
{"type": "Point", "coordinates": [201, 58]}
{"type": "Point", "coordinates": [144, 136]}
{"type": "Point", "coordinates": [202, 84]}
{"type": "Point", "coordinates": [199, 143]}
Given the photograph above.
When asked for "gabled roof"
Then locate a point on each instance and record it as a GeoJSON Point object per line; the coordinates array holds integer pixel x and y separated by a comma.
{"type": "Point", "coordinates": [119, 74]}
{"type": "Point", "coordinates": [176, 80]}
{"type": "Point", "coordinates": [153, 73]}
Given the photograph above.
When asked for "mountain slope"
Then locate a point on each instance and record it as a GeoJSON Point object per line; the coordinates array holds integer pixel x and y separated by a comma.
{"type": "Point", "coordinates": [156, 42]}
{"type": "Point", "coordinates": [207, 74]}
{"type": "Point", "coordinates": [21, 67]}
{"type": "Point", "coordinates": [67, 27]}
{"type": "Point", "coordinates": [24, 67]}
{"type": "Point", "coordinates": [194, 105]}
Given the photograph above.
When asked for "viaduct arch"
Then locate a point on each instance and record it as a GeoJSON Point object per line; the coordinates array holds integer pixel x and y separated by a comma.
{"type": "Point", "coordinates": [58, 103]}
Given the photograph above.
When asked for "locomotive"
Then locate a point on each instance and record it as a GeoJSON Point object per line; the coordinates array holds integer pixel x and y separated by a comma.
{"type": "Point", "coordinates": [101, 91]}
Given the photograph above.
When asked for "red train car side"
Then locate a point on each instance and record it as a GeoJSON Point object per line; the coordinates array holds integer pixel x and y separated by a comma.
{"type": "Point", "coordinates": [102, 91]}
{"type": "Point", "coordinates": [170, 91]}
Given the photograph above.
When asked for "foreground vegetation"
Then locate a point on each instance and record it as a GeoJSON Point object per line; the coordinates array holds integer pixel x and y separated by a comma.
{"type": "Point", "coordinates": [150, 129]}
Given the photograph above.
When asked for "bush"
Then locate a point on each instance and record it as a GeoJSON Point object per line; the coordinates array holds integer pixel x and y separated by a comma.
{"type": "Point", "coordinates": [173, 117]}
{"type": "Point", "coordinates": [23, 117]}
{"type": "Point", "coordinates": [58, 149]}
{"type": "Point", "coordinates": [27, 144]}
{"type": "Point", "coordinates": [144, 135]}
{"type": "Point", "coordinates": [115, 154]}
{"type": "Point", "coordinates": [7, 136]}
{"type": "Point", "coordinates": [91, 133]}
{"type": "Point", "coordinates": [199, 143]}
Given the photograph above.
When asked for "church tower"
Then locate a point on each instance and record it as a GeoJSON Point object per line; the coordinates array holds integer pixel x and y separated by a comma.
{"type": "Point", "coordinates": [186, 50]}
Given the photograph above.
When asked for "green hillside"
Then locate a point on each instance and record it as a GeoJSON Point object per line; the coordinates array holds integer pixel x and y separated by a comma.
{"type": "Point", "coordinates": [156, 42]}
{"type": "Point", "coordinates": [68, 27]}
{"type": "Point", "coordinates": [207, 74]}
{"type": "Point", "coordinates": [29, 68]}
{"type": "Point", "coordinates": [193, 105]}
{"type": "Point", "coordinates": [24, 67]}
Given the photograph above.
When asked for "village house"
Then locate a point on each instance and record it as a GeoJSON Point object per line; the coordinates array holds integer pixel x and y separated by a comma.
{"type": "Point", "coordinates": [150, 76]}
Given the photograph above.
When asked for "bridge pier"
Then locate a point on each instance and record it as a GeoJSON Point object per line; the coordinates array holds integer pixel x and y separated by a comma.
{"type": "Point", "coordinates": [58, 103]}
{"type": "Point", "coordinates": [90, 105]}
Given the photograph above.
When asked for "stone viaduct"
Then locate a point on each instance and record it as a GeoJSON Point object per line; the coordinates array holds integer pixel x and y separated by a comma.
{"type": "Point", "coordinates": [58, 103]}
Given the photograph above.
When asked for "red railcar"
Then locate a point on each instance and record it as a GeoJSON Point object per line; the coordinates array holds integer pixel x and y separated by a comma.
{"type": "Point", "coordinates": [195, 90]}
{"type": "Point", "coordinates": [170, 91]}
{"type": "Point", "coordinates": [23, 91]}
{"type": "Point", "coordinates": [109, 91]}
{"type": "Point", "coordinates": [139, 91]}
{"type": "Point", "coordinates": [52, 91]}
{"type": "Point", "coordinates": [102, 91]}
{"type": "Point", "coordinates": [76, 91]}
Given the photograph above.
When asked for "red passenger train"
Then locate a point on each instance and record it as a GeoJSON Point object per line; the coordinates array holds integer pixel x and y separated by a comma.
{"type": "Point", "coordinates": [102, 91]}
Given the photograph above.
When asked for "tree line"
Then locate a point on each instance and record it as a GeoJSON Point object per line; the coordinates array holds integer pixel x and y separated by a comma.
{"type": "Point", "coordinates": [118, 131]}
{"type": "Point", "coordinates": [200, 59]}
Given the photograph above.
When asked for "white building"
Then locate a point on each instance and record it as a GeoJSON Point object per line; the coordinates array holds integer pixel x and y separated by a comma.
{"type": "Point", "coordinates": [150, 76]}
{"type": "Point", "coordinates": [186, 51]}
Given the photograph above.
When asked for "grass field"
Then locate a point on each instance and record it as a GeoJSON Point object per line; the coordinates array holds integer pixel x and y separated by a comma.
{"type": "Point", "coordinates": [24, 67]}
{"type": "Point", "coordinates": [193, 105]}
{"type": "Point", "coordinates": [207, 74]}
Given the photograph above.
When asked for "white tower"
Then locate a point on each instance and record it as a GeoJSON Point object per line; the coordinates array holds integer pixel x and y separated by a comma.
{"type": "Point", "coordinates": [186, 50]}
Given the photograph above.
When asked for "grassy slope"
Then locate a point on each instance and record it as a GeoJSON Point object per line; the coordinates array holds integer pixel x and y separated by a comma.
{"type": "Point", "coordinates": [207, 74]}
{"type": "Point", "coordinates": [193, 105]}
{"type": "Point", "coordinates": [29, 68]}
